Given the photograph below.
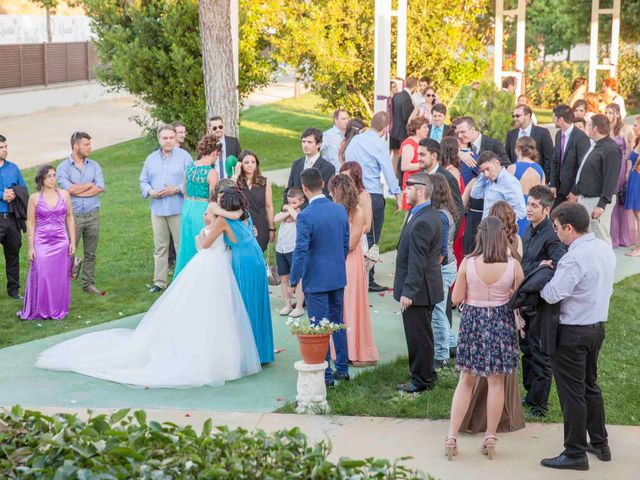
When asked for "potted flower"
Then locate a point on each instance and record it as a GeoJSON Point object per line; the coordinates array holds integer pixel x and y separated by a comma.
{"type": "Point", "coordinates": [313, 337]}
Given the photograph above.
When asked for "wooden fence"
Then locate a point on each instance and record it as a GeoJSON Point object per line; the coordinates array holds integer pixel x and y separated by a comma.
{"type": "Point", "coordinates": [27, 65]}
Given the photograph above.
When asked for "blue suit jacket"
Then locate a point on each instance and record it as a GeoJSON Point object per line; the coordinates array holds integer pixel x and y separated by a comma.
{"type": "Point", "coordinates": [322, 246]}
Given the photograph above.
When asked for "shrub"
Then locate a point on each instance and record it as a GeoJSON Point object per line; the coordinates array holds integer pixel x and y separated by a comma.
{"type": "Point", "coordinates": [629, 73]}
{"type": "Point", "coordinates": [123, 446]}
{"type": "Point", "coordinates": [549, 84]}
{"type": "Point", "coordinates": [490, 108]}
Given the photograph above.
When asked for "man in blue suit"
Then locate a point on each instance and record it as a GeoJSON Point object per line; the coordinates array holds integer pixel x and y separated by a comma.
{"type": "Point", "coordinates": [322, 245]}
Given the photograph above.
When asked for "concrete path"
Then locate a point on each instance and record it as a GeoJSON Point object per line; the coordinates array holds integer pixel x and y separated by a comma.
{"type": "Point", "coordinates": [393, 438]}
{"type": "Point", "coordinates": [43, 137]}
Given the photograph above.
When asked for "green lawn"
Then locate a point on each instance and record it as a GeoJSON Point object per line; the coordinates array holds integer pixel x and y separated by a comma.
{"type": "Point", "coordinates": [372, 393]}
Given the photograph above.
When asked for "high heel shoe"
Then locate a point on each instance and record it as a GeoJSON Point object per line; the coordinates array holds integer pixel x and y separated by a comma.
{"type": "Point", "coordinates": [450, 447]}
{"type": "Point", "coordinates": [489, 446]}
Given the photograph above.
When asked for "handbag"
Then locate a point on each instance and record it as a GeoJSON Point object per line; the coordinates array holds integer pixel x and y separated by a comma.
{"type": "Point", "coordinates": [622, 195]}
{"type": "Point", "coordinates": [372, 255]}
{"type": "Point", "coordinates": [272, 272]}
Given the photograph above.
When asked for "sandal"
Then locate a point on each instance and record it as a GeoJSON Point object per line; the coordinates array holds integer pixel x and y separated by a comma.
{"type": "Point", "coordinates": [450, 447]}
{"type": "Point", "coordinates": [489, 446]}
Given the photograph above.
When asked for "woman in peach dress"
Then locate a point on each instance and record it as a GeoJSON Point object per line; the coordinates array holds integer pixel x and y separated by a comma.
{"type": "Point", "coordinates": [360, 343]}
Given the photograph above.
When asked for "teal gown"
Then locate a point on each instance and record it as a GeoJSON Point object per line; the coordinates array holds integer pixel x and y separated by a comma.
{"type": "Point", "coordinates": [193, 209]}
{"type": "Point", "coordinates": [249, 268]}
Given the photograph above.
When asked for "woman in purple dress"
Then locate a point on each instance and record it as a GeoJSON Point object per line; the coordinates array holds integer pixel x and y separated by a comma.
{"type": "Point", "coordinates": [49, 218]}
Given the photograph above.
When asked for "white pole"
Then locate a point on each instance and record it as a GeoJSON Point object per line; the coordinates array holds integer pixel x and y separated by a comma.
{"type": "Point", "coordinates": [593, 45]}
{"type": "Point", "coordinates": [497, 44]}
{"type": "Point", "coordinates": [401, 60]}
{"type": "Point", "coordinates": [382, 54]}
{"type": "Point", "coordinates": [520, 44]}
{"type": "Point", "coordinates": [615, 38]}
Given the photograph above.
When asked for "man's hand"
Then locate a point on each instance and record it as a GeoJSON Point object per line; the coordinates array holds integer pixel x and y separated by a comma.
{"type": "Point", "coordinates": [467, 158]}
{"type": "Point", "coordinates": [554, 190]}
{"type": "Point", "coordinates": [399, 203]}
{"type": "Point", "coordinates": [572, 198]}
{"type": "Point", "coordinates": [405, 303]}
{"type": "Point", "coordinates": [597, 212]}
{"type": "Point", "coordinates": [272, 236]}
{"type": "Point", "coordinates": [255, 232]}
{"type": "Point", "coordinates": [546, 263]}
{"type": "Point", "coordinates": [8, 195]}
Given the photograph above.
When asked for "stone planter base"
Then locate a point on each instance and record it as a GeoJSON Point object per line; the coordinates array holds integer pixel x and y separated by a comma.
{"type": "Point", "coordinates": [312, 392]}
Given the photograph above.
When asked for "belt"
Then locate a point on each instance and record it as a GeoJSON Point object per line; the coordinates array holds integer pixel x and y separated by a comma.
{"type": "Point", "coordinates": [197, 199]}
{"type": "Point", "coordinates": [95, 211]}
{"type": "Point", "coordinates": [590, 325]}
{"type": "Point", "coordinates": [6, 215]}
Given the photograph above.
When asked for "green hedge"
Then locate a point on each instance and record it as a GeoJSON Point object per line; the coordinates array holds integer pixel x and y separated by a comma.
{"type": "Point", "coordinates": [123, 446]}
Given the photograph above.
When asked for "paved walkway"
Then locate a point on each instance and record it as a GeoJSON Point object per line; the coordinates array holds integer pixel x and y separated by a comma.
{"type": "Point", "coordinates": [393, 438]}
{"type": "Point", "coordinates": [43, 137]}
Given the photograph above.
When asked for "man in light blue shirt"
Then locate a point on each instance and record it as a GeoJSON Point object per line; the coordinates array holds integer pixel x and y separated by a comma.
{"type": "Point", "coordinates": [583, 282]}
{"type": "Point", "coordinates": [437, 129]}
{"type": "Point", "coordinates": [497, 184]}
{"type": "Point", "coordinates": [162, 180]}
{"type": "Point", "coordinates": [332, 138]}
{"type": "Point", "coordinates": [372, 154]}
{"type": "Point", "coordinates": [84, 181]}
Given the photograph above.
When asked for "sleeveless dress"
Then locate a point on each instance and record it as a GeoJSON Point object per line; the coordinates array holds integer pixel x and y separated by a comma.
{"type": "Point", "coordinates": [249, 269]}
{"type": "Point", "coordinates": [406, 175]}
{"type": "Point", "coordinates": [193, 209]}
{"type": "Point", "coordinates": [360, 343]}
{"type": "Point", "coordinates": [623, 225]}
{"type": "Point", "coordinates": [487, 338]}
{"type": "Point", "coordinates": [633, 185]}
{"type": "Point", "coordinates": [521, 168]}
{"type": "Point", "coordinates": [48, 292]}
{"type": "Point", "coordinates": [197, 333]}
{"type": "Point", "coordinates": [256, 196]}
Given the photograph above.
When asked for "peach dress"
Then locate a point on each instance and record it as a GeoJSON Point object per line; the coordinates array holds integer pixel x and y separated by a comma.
{"type": "Point", "coordinates": [360, 343]}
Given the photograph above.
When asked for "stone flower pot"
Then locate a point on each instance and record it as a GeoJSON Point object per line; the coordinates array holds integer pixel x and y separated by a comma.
{"type": "Point", "coordinates": [313, 348]}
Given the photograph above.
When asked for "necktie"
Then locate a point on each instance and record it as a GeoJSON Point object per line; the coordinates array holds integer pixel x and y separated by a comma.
{"type": "Point", "coordinates": [562, 145]}
{"type": "Point", "coordinates": [522, 133]}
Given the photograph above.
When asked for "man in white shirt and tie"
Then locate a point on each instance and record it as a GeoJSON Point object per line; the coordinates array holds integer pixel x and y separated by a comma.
{"type": "Point", "coordinates": [332, 138]}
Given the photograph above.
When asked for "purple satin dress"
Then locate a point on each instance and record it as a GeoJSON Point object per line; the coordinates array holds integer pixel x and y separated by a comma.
{"type": "Point", "coordinates": [623, 224]}
{"type": "Point", "coordinates": [48, 293]}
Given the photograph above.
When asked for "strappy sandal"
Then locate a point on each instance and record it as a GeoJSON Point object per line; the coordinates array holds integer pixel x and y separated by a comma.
{"type": "Point", "coordinates": [450, 447]}
{"type": "Point", "coordinates": [489, 446]}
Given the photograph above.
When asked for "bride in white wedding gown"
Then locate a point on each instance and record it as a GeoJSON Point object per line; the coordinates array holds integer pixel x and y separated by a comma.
{"type": "Point", "coordinates": [197, 333]}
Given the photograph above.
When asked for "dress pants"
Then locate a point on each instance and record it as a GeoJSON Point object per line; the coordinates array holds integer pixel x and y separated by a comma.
{"type": "Point", "coordinates": [536, 368]}
{"type": "Point", "coordinates": [377, 204]}
{"type": "Point", "coordinates": [330, 305]}
{"type": "Point", "coordinates": [560, 198]}
{"type": "Point", "coordinates": [88, 230]}
{"type": "Point", "coordinates": [164, 227]}
{"type": "Point", "coordinates": [419, 336]}
{"type": "Point", "coordinates": [601, 228]}
{"type": "Point", "coordinates": [11, 240]}
{"type": "Point", "coordinates": [575, 368]}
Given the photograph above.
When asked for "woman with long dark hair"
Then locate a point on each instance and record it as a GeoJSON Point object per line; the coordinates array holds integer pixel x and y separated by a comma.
{"type": "Point", "coordinates": [247, 261]}
{"type": "Point", "coordinates": [443, 338]}
{"type": "Point", "coordinates": [354, 127]}
{"type": "Point", "coordinates": [449, 159]}
{"type": "Point", "coordinates": [361, 345]}
{"type": "Point", "coordinates": [354, 171]}
{"type": "Point", "coordinates": [487, 338]}
{"type": "Point", "coordinates": [257, 190]}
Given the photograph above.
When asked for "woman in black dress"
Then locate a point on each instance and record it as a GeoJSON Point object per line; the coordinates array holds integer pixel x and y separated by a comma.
{"type": "Point", "coordinates": [257, 189]}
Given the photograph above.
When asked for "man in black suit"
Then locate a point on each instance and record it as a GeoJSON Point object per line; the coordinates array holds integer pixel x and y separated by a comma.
{"type": "Point", "coordinates": [429, 161]}
{"type": "Point", "coordinates": [477, 143]}
{"type": "Point", "coordinates": [526, 128]}
{"type": "Point", "coordinates": [438, 129]}
{"type": "Point", "coordinates": [401, 109]}
{"type": "Point", "coordinates": [571, 147]}
{"type": "Point", "coordinates": [418, 281]}
{"type": "Point", "coordinates": [597, 177]}
{"type": "Point", "coordinates": [230, 145]}
{"type": "Point", "coordinates": [311, 142]}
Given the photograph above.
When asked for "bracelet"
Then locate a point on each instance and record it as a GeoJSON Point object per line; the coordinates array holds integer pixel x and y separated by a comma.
{"type": "Point", "coordinates": [272, 229]}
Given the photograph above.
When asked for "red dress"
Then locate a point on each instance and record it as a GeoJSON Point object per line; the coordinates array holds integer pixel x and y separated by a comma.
{"type": "Point", "coordinates": [406, 175]}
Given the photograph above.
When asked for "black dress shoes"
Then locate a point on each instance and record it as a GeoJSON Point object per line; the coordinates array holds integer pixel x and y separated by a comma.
{"type": "Point", "coordinates": [411, 388]}
{"type": "Point", "coordinates": [341, 377]}
{"type": "Point", "coordinates": [16, 296]}
{"type": "Point", "coordinates": [330, 384]}
{"type": "Point", "coordinates": [375, 288]}
{"type": "Point", "coordinates": [603, 452]}
{"type": "Point", "coordinates": [155, 289]}
{"type": "Point", "coordinates": [562, 462]}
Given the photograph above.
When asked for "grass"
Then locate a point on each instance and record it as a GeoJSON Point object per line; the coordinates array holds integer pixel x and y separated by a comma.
{"type": "Point", "coordinates": [372, 392]}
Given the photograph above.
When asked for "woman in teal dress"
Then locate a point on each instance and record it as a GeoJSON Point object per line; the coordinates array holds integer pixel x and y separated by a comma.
{"type": "Point", "coordinates": [199, 180]}
{"type": "Point", "coordinates": [249, 267]}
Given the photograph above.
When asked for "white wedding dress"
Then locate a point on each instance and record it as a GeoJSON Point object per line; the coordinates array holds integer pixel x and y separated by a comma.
{"type": "Point", "coordinates": [197, 333]}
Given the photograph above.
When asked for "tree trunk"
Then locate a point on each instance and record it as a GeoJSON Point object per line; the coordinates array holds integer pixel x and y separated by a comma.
{"type": "Point", "coordinates": [48, 15]}
{"type": "Point", "coordinates": [220, 87]}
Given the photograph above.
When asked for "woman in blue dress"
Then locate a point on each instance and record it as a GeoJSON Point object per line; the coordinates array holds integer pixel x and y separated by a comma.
{"type": "Point", "coordinates": [632, 202]}
{"type": "Point", "coordinates": [199, 181]}
{"type": "Point", "coordinates": [528, 171]}
{"type": "Point", "coordinates": [248, 264]}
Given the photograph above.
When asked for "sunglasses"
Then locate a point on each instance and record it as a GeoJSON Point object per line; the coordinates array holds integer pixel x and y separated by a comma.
{"type": "Point", "coordinates": [216, 127]}
{"type": "Point", "coordinates": [430, 95]}
{"type": "Point", "coordinates": [516, 115]}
